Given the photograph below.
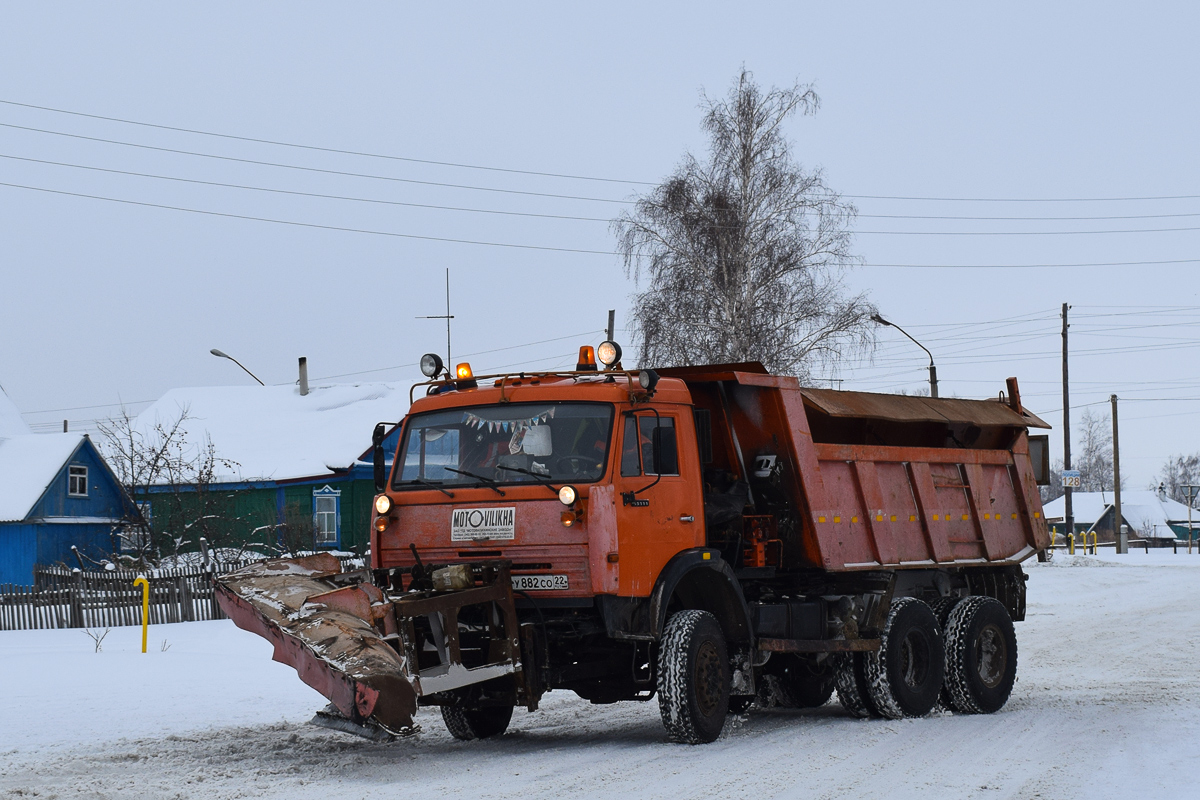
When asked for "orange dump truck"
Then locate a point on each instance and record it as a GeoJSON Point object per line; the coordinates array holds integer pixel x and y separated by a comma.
{"type": "Point", "coordinates": [714, 535]}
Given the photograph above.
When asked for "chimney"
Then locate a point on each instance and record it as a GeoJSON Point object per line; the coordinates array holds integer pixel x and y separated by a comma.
{"type": "Point", "coordinates": [303, 376]}
{"type": "Point", "coordinates": [64, 426]}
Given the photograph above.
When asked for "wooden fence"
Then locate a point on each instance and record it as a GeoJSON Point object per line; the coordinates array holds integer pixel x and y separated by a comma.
{"type": "Point", "coordinates": [70, 598]}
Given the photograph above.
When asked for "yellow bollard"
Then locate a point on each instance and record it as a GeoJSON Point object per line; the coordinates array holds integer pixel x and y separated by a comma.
{"type": "Point", "coordinates": [1071, 543]}
{"type": "Point", "coordinates": [145, 584]}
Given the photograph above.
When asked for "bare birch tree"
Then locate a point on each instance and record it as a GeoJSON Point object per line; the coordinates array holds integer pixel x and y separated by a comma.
{"type": "Point", "coordinates": [1177, 472]}
{"type": "Point", "coordinates": [743, 254]}
{"type": "Point", "coordinates": [1095, 453]}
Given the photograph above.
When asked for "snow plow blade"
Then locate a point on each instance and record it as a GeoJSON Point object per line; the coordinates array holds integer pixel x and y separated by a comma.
{"type": "Point", "coordinates": [330, 630]}
{"type": "Point", "coordinates": [374, 654]}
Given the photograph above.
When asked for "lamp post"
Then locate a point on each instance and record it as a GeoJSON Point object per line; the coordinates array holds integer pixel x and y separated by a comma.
{"type": "Point", "coordinates": [219, 354]}
{"type": "Point", "coordinates": [933, 392]}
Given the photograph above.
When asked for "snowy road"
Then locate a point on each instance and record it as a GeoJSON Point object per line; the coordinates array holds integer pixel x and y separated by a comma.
{"type": "Point", "coordinates": [1107, 705]}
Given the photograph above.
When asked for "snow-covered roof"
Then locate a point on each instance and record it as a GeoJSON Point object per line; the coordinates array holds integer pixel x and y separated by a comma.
{"type": "Point", "coordinates": [28, 464]}
{"type": "Point", "coordinates": [1146, 513]}
{"type": "Point", "coordinates": [274, 433]}
{"type": "Point", "coordinates": [11, 423]}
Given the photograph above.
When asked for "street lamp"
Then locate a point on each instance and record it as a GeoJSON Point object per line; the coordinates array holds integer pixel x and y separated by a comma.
{"type": "Point", "coordinates": [932, 369]}
{"type": "Point", "coordinates": [219, 354]}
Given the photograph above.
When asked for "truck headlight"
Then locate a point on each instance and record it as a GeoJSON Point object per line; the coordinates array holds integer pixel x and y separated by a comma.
{"type": "Point", "coordinates": [567, 495]}
{"type": "Point", "coordinates": [383, 504]}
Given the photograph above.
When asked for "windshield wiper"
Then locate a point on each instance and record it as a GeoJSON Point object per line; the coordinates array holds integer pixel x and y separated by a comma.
{"type": "Point", "coordinates": [424, 482]}
{"type": "Point", "coordinates": [488, 482]}
{"type": "Point", "coordinates": [542, 479]}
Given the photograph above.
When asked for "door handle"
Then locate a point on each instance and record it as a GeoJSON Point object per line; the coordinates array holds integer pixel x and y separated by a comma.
{"type": "Point", "coordinates": [687, 518]}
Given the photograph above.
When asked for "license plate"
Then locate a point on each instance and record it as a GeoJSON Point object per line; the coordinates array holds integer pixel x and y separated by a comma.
{"type": "Point", "coordinates": [525, 583]}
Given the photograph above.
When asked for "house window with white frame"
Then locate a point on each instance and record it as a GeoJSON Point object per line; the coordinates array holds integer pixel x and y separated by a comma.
{"type": "Point", "coordinates": [326, 516]}
{"type": "Point", "coordinates": [77, 484]}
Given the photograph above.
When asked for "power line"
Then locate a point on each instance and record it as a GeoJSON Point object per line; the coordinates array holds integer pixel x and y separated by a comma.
{"type": "Point", "coordinates": [606, 220]}
{"type": "Point", "coordinates": [543, 247]}
{"type": "Point", "coordinates": [1023, 199]}
{"type": "Point", "coordinates": [309, 224]}
{"type": "Point", "coordinates": [464, 355]}
{"type": "Point", "coordinates": [1029, 219]}
{"type": "Point", "coordinates": [1025, 233]}
{"type": "Point", "coordinates": [299, 193]}
{"type": "Point", "coordinates": [324, 149]}
{"type": "Point", "coordinates": [1037, 266]}
{"type": "Point", "coordinates": [280, 143]}
{"type": "Point", "coordinates": [312, 169]}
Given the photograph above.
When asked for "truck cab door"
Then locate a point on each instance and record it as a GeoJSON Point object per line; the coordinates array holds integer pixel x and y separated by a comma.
{"type": "Point", "coordinates": [660, 509]}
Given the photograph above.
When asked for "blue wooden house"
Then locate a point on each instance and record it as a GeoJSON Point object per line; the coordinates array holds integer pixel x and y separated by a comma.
{"type": "Point", "coordinates": [56, 491]}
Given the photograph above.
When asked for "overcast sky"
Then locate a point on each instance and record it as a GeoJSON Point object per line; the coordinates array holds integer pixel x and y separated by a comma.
{"type": "Point", "coordinates": [1056, 111]}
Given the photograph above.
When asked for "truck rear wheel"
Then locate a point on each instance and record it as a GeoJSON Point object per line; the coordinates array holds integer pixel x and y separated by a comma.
{"type": "Point", "coordinates": [905, 675]}
{"type": "Point", "coordinates": [981, 656]}
{"type": "Point", "coordinates": [851, 683]}
{"type": "Point", "coordinates": [476, 723]}
{"type": "Point", "coordinates": [693, 677]}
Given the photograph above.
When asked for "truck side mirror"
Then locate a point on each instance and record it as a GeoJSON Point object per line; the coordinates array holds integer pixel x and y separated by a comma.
{"type": "Point", "coordinates": [380, 473]}
{"type": "Point", "coordinates": [1039, 454]}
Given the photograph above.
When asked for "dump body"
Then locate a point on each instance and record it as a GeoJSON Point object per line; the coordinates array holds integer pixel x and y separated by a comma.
{"type": "Point", "coordinates": [879, 480]}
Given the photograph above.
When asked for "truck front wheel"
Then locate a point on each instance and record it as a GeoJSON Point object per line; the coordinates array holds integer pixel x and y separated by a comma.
{"type": "Point", "coordinates": [693, 677]}
{"type": "Point", "coordinates": [476, 723]}
{"type": "Point", "coordinates": [981, 655]}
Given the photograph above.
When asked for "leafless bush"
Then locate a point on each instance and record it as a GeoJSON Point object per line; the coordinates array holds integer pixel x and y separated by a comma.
{"type": "Point", "coordinates": [97, 637]}
{"type": "Point", "coordinates": [183, 506]}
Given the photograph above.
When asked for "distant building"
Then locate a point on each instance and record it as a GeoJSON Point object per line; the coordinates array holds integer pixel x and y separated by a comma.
{"type": "Point", "coordinates": [56, 492]}
{"type": "Point", "coordinates": [1148, 514]}
{"type": "Point", "coordinates": [298, 461]}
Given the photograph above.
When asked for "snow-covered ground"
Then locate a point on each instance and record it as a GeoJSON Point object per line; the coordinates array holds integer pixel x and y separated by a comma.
{"type": "Point", "coordinates": [1107, 705]}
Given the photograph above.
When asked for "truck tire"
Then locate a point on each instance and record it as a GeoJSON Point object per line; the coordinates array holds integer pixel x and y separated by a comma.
{"type": "Point", "coordinates": [851, 684]}
{"type": "Point", "coordinates": [941, 611]}
{"type": "Point", "coordinates": [981, 656]}
{"type": "Point", "coordinates": [904, 676]}
{"type": "Point", "coordinates": [476, 723]}
{"type": "Point", "coordinates": [693, 677]}
{"type": "Point", "coordinates": [795, 683]}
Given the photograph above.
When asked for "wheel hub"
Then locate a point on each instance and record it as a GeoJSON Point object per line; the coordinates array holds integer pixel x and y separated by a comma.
{"type": "Point", "coordinates": [708, 678]}
{"type": "Point", "coordinates": [991, 656]}
{"type": "Point", "coordinates": [914, 659]}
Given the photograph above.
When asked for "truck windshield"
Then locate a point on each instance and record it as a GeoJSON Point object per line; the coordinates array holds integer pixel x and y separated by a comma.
{"type": "Point", "coordinates": [507, 444]}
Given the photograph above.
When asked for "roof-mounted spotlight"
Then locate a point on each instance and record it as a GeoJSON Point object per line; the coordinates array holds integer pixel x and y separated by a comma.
{"type": "Point", "coordinates": [608, 354]}
{"type": "Point", "coordinates": [648, 379]}
{"type": "Point", "coordinates": [431, 365]}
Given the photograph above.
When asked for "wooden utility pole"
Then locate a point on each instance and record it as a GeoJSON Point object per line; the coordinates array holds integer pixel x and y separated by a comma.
{"type": "Point", "coordinates": [1069, 514]}
{"type": "Point", "coordinates": [1120, 537]}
